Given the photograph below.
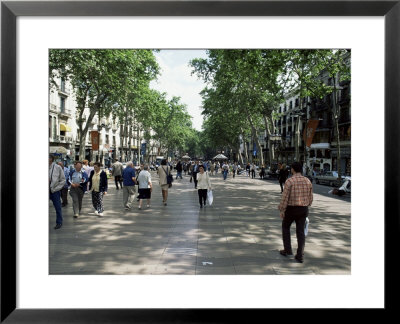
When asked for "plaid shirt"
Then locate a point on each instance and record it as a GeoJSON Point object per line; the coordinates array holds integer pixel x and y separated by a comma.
{"type": "Point", "coordinates": [297, 192]}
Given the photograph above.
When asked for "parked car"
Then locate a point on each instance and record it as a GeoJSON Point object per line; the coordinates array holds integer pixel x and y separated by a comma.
{"type": "Point", "coordinates": [330, 178]}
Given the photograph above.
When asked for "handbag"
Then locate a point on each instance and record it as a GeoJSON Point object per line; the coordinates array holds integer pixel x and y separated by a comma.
{"type": "Point", "coordinates": [210, 197]}
{"type": "Point", "coordinates": [170, 178]}
{"type": "Point", "coordinates": [306, 226]}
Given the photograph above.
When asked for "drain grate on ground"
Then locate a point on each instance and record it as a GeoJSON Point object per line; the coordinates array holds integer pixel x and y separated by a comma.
{"type": "Point", "coordinates": [280, 271]}
{"type": "Point", "coordinates": [184, 251]}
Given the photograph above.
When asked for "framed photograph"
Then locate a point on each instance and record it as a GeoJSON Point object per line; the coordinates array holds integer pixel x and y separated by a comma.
{"type": "Point", "coordinates": [189, 24]}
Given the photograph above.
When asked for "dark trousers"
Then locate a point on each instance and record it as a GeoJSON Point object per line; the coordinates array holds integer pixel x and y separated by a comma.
{"type": "Point", "coordinates": [118, 179]}
{"type": "Point", "coordinates": [281, 183]}
{"type": "Point", "coordinates": [253, 174]}
{"type": "Point", "coordinates": [297, 214]}
{"type": "Point", "coordinates": [55, 198]}
{"type": "Point", "coordinates": [64, 196]}
{"type": "Point", "coordinates": [202, 196]}
{"type": "Point", "coordinates": [195, 179]}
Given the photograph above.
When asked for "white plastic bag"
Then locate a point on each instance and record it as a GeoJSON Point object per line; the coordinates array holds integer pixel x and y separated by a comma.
{"type": "Point", "coordinates": [210, 197]}
{"type": "Point", "coordinates": [306, 226]}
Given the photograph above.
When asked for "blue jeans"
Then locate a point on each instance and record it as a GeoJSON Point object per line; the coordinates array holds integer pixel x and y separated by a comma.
{"type": "Point", "coordinates": [178, 174]}
{"type": "Point", "coordinates": [55, 197]}
{"type": "Point", "coordinates": [225, 174]}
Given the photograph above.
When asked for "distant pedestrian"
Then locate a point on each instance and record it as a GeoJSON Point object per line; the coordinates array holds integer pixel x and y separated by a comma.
{"type": "Point", "coordinates": [225, 170]}
{"type": "Point", "coordinates": [194, 173]}
{"type": "Point", "coordinates": [253, 170]}
{"type": "Point", "coordinates": [145, 186]}
{"type": "Point", "coordinates": [98, 184]}
{"type": "Point", "coordinates": [85, 167]}
{"type": "Point", "coordinates": [234, 169]}
{"type": "Point", "coordinates": [216, 167]}
{"type": "Point", "coordinates": [88, 169]}
{"type": "Point", "coordinates": [78, 179]}
{"type": "Point", "coordinates": [185, 167]}
{"type": "Point", "coordinates": [64, 190]}
{"type": "Point", "coordinates": [179, 169]}
{"type": "Point", "coordinates": [283, 175]}
{"type": "Point", "coordinates": [117, 173]}
{"type": "Point", "coordinates": [204, 184]}
{"type": "Point", "coordinates": [163, 171]}
{"type": "Point", "coordinates": [129, 180]}
{"type": "Point", "coordinates": [262, 172]}
{"type": "Point", "coordinates": [297, 196]}
{"type": "Point", "coordinates": [248, 169]}
{"type": "Point", "coordinates": [56, 184]}
{"type": "Point", "coordinates": [212, 168]}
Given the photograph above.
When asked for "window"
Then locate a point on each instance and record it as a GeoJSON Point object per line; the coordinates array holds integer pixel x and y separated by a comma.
{"type": "Point", "coordinates": [290, 104]}
{"type": "Point", "coordinates": [50, 120]}
{"type": "Point", "coordinates": [107, 139]}
{"type": "Point", "coordinates": [54, 127]}
{"type": "Point", "coordinates": [62, 104]}
{"type": "Point", "coordinates": [62, 85]}
{"type": "Point", "coordinates": [297, 102]}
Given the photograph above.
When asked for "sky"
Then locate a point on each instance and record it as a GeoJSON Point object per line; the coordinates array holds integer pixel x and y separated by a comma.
{"type": "Point", "coordinates": [176, 80]}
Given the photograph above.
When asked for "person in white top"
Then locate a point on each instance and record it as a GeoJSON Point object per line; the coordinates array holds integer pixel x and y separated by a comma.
{"type": "Point", "coordinates": [145, 186]}
{"type": "Point", "coordinates": [203, 185]}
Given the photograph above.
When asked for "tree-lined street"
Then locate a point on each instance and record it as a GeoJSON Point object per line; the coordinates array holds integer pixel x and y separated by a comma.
{"type": "Point", "coordinates": [239, 234]}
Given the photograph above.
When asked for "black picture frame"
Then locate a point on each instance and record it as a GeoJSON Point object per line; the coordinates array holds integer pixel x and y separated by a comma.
{"type": "Point", "coordinates": [388, 168]}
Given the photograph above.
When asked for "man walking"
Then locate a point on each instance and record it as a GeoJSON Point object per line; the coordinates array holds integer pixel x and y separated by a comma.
{"type": "Point", "coordinates": [78, 180]}
{"type": "Point", "coordinates": [64, 190]}
{"type": "Point", "coordinates": [179, 170]}
{"type": "Point", "coordinates": [297, 196]}
{"type": "Point", "coordinates": [194, 173]}
{"type": "Point", "coordinates": [117, 173]}
{"type": "Point", "coordinates": [56, 183]}
{"type": "Point", "coordinates": [128, 190]}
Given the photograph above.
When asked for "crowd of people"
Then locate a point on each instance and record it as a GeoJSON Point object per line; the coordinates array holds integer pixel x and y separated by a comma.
{"type": "Point", "coordinates": [84, 177]}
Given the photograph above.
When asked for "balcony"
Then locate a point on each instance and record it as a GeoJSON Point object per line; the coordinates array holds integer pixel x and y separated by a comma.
{"type": "Point", "coordinates": [62, 139]}
{"type": "Point", "coordinates": [53, 108]}
{"type": "Point", "coordinates": [62, 90]}
{"type": "Point", "coordinates": [65, 113]}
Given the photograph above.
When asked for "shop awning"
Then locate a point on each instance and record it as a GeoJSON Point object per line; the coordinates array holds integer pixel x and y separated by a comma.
{"type": "Point", "coordinates": [65, 128]}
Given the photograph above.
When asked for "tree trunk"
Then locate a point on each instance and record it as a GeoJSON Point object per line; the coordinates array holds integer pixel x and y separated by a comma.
{"type": "Point", "coordinates": [83, 132]}
{"type": "Point", "coordinates": [255, 135]}
{"type": "Point", "coordinates": [337, 116]}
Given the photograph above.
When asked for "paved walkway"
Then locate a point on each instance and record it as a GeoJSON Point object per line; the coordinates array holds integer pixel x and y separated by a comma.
{"type": "Point", "coordinates": [239, 234]}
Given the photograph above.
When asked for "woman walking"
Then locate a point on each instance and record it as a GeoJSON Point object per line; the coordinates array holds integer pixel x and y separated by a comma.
{"type": "Point", "coordinates": [145, 186]}
{"type": "Point", "coordinates": [212, 168]}
{"type": "Point", "coordinates": [98, 185]}
{"type": "Point", "coordinates": [283, 175]}
{"type": "Point", "coordinates": [163, 171]}
{"type": "Point", "coordinates": [203, 185]}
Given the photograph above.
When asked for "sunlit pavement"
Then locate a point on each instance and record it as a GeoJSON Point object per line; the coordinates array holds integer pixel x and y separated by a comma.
{"type": "Point", "coordinates": [239, 234]}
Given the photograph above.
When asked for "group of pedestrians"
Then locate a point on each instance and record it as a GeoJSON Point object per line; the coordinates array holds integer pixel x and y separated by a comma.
{"type": "Point", "coordinates": [78, 181]}
{"type": "Point", "coordinates": [83, 178]}
{"type": "Point", "coordinates": [297, 192]}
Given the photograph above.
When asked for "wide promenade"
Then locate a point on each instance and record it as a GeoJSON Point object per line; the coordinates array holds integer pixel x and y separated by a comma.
{"type": "Point", "coordinates": [239, 234]}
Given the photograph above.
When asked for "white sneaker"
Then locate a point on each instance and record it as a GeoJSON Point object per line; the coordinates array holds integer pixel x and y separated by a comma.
{"type": "Point", "coordinates": [96, 212]}
{"type": "Point", "coordinates": [101, 214]}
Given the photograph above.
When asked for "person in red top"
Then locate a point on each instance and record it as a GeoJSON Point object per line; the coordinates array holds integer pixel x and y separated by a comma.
{"type": "Point", "coordinates": [296, 197]}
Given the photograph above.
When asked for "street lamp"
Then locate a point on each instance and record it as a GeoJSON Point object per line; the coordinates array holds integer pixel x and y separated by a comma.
{"type": "Point", "coordinates": [99, 128]}
{"type": "Point", "coordinates": [275, 140]}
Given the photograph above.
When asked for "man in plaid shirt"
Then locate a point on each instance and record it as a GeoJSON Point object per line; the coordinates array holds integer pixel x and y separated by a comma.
{"type": "Point", "coordinates": [297, 196]}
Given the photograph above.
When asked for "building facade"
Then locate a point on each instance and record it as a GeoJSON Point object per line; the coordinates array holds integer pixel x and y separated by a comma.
{"type": "Point", "coordinates": [114, 142]}
{"type": "Point", "coordinates": [322, 155]}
